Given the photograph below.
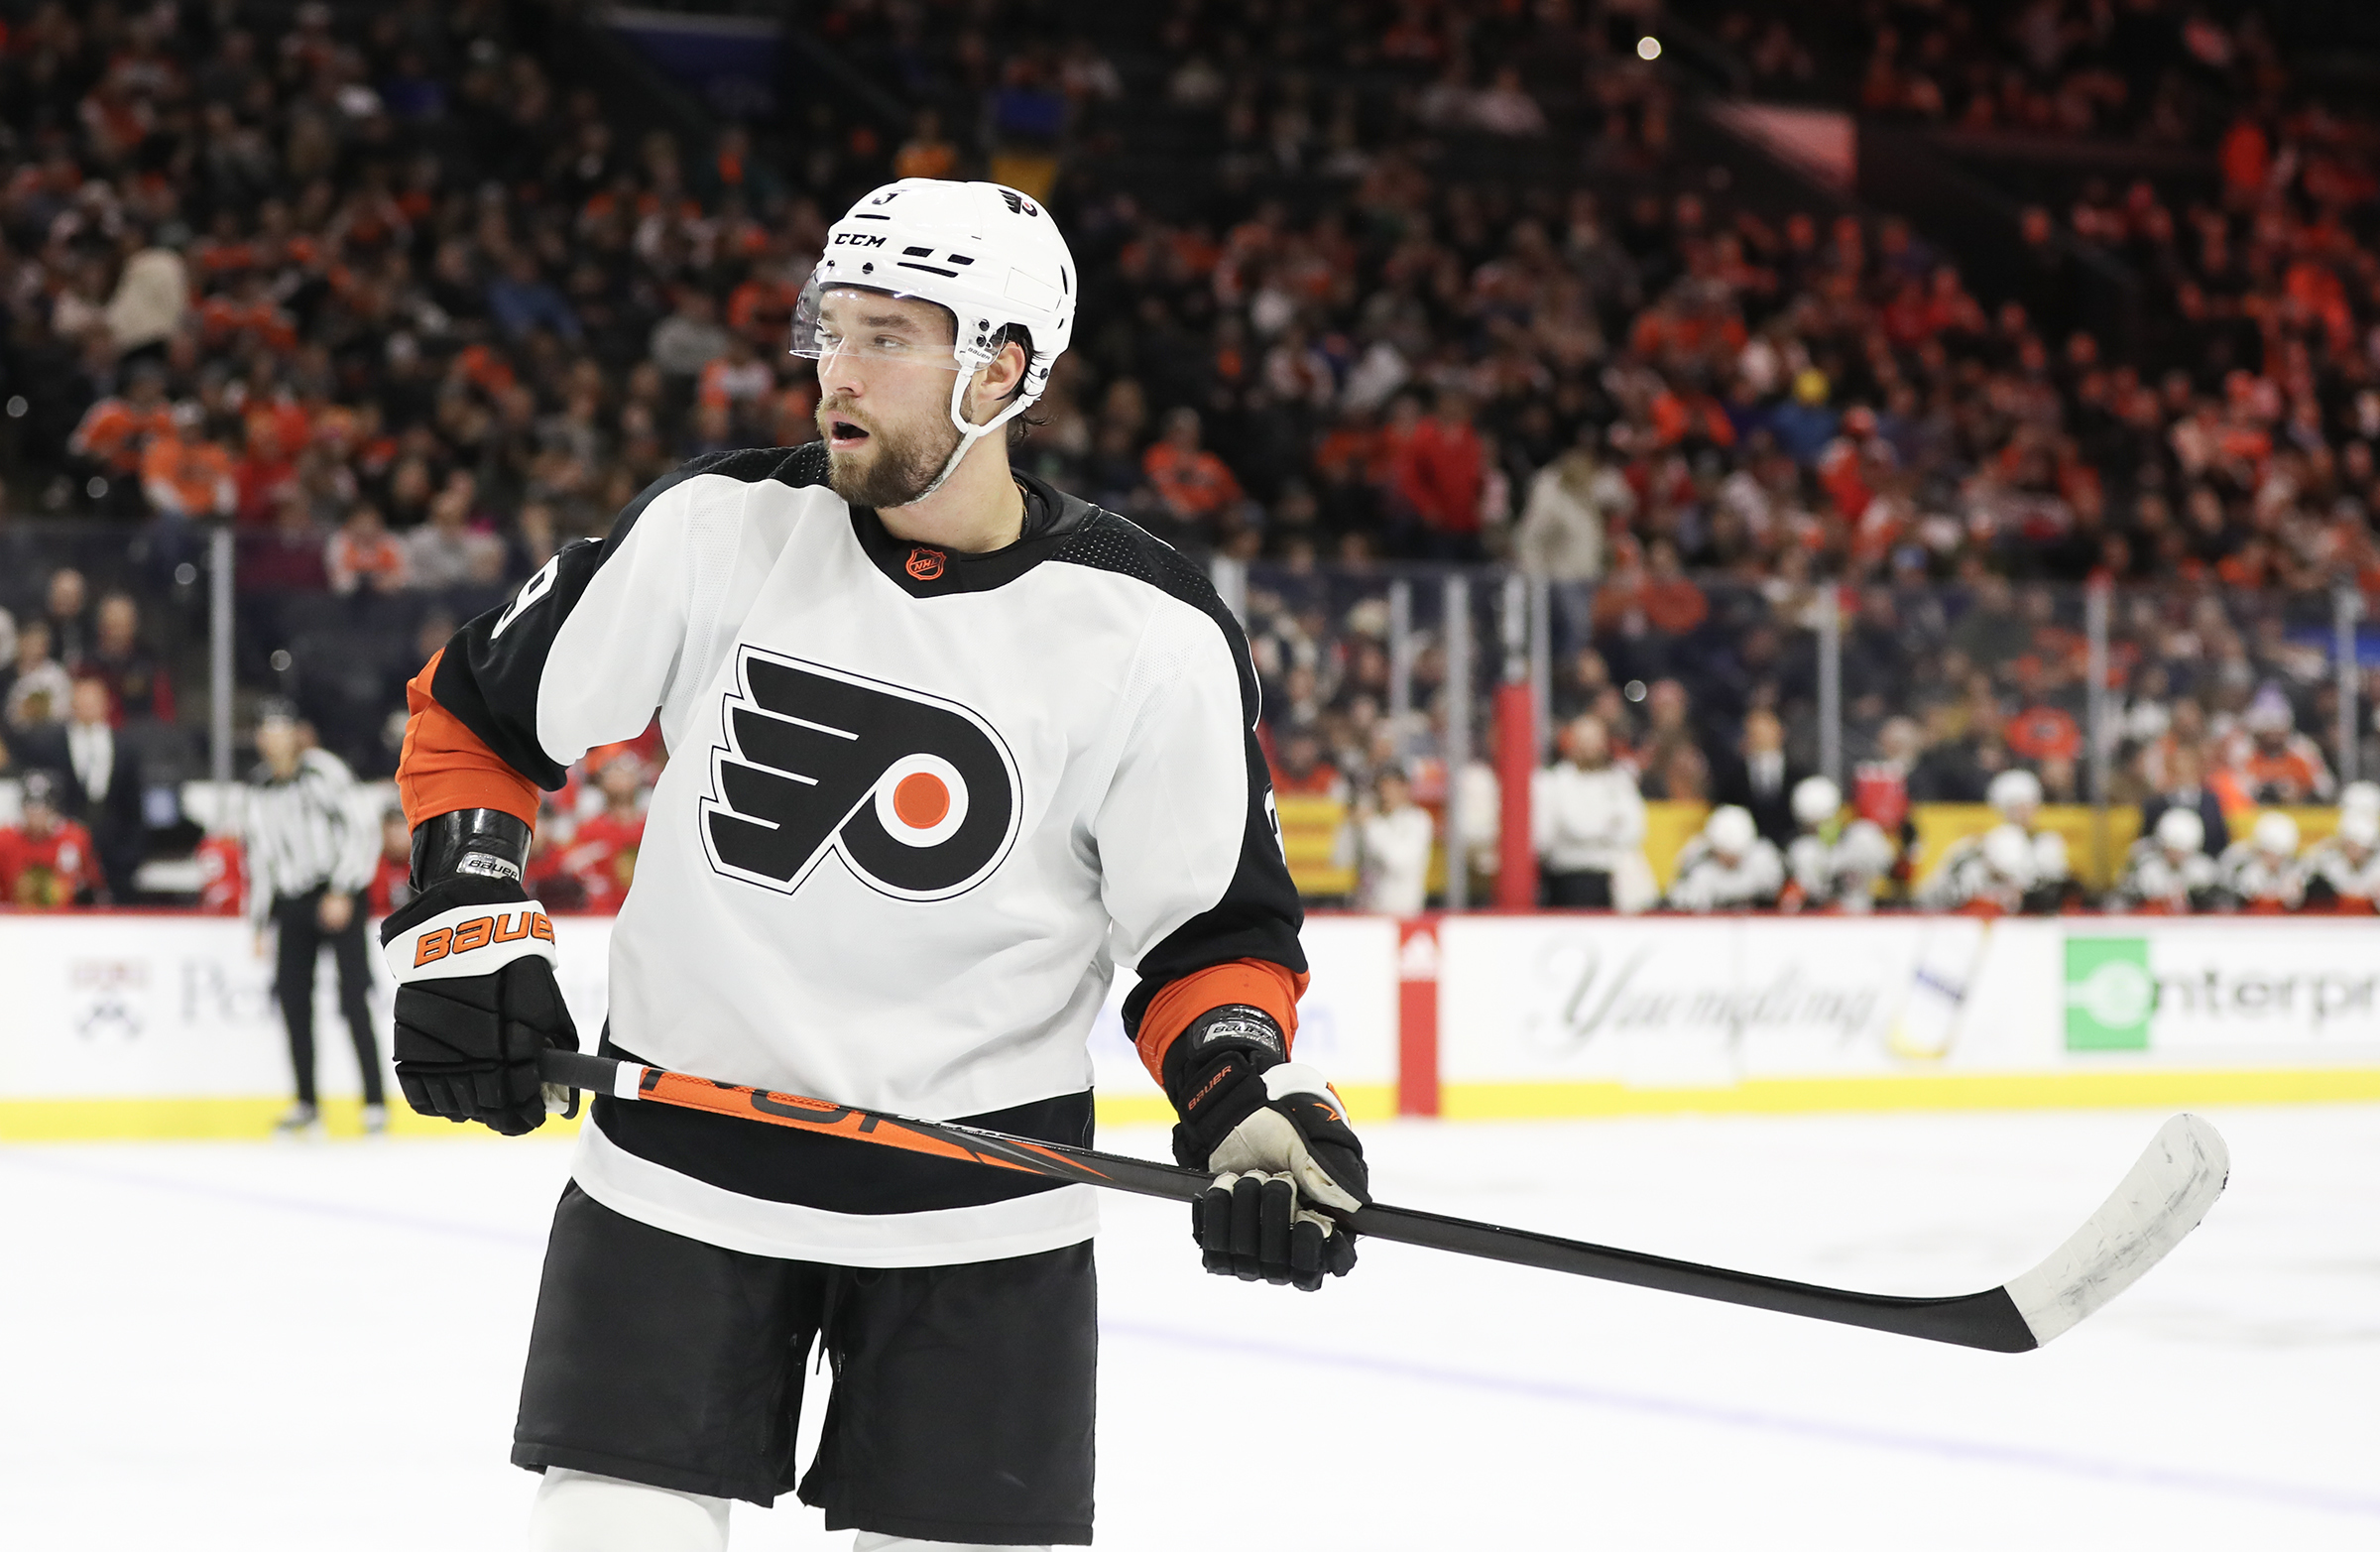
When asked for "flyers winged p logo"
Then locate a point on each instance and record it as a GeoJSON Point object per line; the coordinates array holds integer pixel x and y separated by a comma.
{"type": "Point", "coordinates": [917, 795]}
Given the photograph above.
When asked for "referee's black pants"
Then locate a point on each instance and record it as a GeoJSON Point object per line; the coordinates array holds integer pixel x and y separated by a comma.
{"type": "Point", "coordinates": [299, 917]}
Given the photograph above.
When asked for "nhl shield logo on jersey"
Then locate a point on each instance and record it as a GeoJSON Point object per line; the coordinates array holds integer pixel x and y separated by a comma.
{"type": "Point", "coordinates": [917, 795]}
{"type": "Point", "coordinates": [926, 565]}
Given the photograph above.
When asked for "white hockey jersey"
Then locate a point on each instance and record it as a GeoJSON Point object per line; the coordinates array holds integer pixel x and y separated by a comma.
{"type": "Point", "coordinates": [1967, 879]}
{"type": "Point", "coordinates": [1838, 875]}
{"type": "Point", "coordinates": [2256, 879]}
{"type": "Point", "coordinates": [2155, 880]}
{"type": "Point", "coordinates": [919, 804]}
{"type": "Point", "coordinates": [1810, 867]}
{"type": "Point", "coordinates": [1707, 880]}
{"type": "Point", "coordinates": [2342, 874]}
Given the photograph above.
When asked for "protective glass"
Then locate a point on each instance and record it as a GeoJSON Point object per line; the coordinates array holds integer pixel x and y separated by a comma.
{"type": "Point", "coordinates": [876, 325]}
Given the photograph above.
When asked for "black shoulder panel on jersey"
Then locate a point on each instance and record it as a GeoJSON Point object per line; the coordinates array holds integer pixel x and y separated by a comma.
{"type": "Point", "coordinates": [1105, 541]}
{"type": "Point", "coordinates": [1259, 914]}
{"type": "Point", "coordinates": [489, 675]}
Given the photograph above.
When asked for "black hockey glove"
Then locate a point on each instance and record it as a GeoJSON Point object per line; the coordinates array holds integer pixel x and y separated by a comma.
{"type": "Point", "coordinates": [1277, 1138]}
{"type": "Point", "coordinates": [472, 956]}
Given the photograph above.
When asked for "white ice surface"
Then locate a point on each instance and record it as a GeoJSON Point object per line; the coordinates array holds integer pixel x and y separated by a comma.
{"type": "Point", "coordinates": [316, 1346]}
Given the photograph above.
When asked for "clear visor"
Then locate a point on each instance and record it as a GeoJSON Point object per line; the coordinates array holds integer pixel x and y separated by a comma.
{"type": "Point", "coordinates": [879, 325]}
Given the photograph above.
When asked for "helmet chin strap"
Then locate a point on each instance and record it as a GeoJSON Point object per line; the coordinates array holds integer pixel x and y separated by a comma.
{"type": "Point", "coordinates": [969, 432]}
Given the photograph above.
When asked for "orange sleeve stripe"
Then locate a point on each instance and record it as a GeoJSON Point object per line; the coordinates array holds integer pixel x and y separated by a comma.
{"type": "Point", "coordinates": [444, 766]}
{"type": "Point", "coordinates": [1257, 982]}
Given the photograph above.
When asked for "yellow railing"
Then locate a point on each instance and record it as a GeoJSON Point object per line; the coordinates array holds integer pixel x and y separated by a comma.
{"type": "Point", "coordinates": [1310, 828]}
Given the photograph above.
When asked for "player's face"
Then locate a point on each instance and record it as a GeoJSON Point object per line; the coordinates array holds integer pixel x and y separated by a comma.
{"type": "Point", "coordinates": [884, 373]}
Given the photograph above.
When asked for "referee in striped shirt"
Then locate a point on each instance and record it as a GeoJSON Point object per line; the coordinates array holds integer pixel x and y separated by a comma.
{"type": "Point", "coordinates": [308, 863]}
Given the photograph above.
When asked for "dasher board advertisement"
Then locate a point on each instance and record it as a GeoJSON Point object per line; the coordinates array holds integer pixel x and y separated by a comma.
{"type": "Point", "coordinates": [136, 1006]}
{"type": "Point", "coordinates": [1670, 1002]}
{"type": "Point", "coordinates": [2208, 991]}
{"type": "Point", "coordinates": [1673, 1003]}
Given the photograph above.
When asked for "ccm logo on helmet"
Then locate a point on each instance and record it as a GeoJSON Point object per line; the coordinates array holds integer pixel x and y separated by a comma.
{"type": "Point", "coordinates": [917, 795]}
{"type": "Point", "coordinates": [855, 240]}
{"type": "Point", "coordinates": [479, 932]}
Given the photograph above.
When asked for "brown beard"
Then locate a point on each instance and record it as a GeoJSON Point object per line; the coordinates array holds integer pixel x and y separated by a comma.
{"type": "Point", "coordinates": [903, 465]}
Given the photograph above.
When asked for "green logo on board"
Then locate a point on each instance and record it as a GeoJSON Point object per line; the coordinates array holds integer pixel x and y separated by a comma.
{"type": "Point", "coordinates": [2110, 994]}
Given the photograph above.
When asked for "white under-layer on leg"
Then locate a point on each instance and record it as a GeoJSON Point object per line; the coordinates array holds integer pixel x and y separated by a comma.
{"type": "Point", "coordinates": [870, 1541]}
{"type": "Point", "coordinates": [579, 1511]}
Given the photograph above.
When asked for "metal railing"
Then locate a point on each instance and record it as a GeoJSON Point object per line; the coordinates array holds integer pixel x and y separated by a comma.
{"type": "Point", "coordinates": [2093, 688]}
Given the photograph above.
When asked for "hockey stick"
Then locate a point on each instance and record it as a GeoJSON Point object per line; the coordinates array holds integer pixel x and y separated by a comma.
{"type": "Point", "coordinates": [2168, 1191]}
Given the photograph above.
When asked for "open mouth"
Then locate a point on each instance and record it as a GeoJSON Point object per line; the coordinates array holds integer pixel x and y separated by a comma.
{"type": "Point", "coordinates": [843, 435]}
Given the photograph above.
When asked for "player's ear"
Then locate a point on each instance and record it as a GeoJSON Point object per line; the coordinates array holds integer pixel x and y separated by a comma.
{"type": "Point", "coordinates": [1005, 378]}
{"type": "Point", "coordinates": [997, 381]}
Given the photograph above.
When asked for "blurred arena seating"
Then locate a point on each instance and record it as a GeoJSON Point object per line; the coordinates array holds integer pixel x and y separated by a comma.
{"type": "Point", "coordinates": [1377, 296]}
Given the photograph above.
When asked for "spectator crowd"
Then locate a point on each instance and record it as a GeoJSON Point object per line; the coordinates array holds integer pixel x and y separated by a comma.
{"type": "Point", "coordinates": [79, 690]}
{"type": "Point", "coordinates": [404, 301]}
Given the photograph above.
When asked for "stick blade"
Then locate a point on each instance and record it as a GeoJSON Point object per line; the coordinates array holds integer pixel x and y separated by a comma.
{"type": "Point", "coordinates": [2168, 1191]}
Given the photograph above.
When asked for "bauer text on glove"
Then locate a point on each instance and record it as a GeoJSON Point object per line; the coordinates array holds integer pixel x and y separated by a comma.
{"type": "Point", "coordinates": [476, 1002]}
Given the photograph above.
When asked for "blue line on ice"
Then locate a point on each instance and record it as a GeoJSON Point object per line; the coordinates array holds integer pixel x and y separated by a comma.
{"type": "Point", "coordinates": [1971, 1451]}
{"type": "Point", "coordinates": [2293, 1494]}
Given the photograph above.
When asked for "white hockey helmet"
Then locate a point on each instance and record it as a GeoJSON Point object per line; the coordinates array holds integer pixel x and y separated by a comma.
{"type": "Point", "coordinates": [1865, 851]}
{"type": "Point", "coordinates": [990, 256]}
{"type": "Point", "coordinates": [1730, 830]}
{"type": "Point", "coordinates": [2181, 830]}
{"type": "Point", "coordinates": [2275, 835]}
{"type": "Point", "coordinates": [2008, 852]}
{"type": "Point", "coordinates": [1816, 800]}
{"type": "Point", "coordinates": [2359, 828]}
{"type": "Point", "coordinates": [2013, 791]}
{"type": "Point", "coordinates": [2050, 861]}
{"type": "Point", "coordinates": [2364, 795]}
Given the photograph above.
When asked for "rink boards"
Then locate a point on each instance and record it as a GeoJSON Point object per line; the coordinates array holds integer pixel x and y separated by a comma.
{"type": "Point", "coordinates": [163, 1025]}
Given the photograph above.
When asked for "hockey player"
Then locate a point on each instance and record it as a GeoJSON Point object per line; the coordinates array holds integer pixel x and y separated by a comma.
{"type": "Point", "coordinates": [1728, 867]}
{"type": "Point", "coordinates": [2260, 875]}
{"type": "Point", "coordinates": [947, 745]}
{"type": "Point", "coordinates": [2015, 796]}
{"type": "Point", "coordinates": [2015, 799]}
{"type": "Point", "coordinates": [2053, 888]}
{"type": "Point", "coordinates": [2169, 872]}
{"type": "Point", "coordinates": [1863, 859]}
{"type": "Point", "coordinates": [1810, 857]}
{"type": "Point", "coordinates": [1988, 877]}
{"type": "Point", "coordinates": [2342, 869]}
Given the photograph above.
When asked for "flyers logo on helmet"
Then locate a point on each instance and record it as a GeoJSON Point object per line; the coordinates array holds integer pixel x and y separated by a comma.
{"type": "Point", "coordinates": [917, 795]}
{"type": "Point", "coordinates": [465, 936]}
